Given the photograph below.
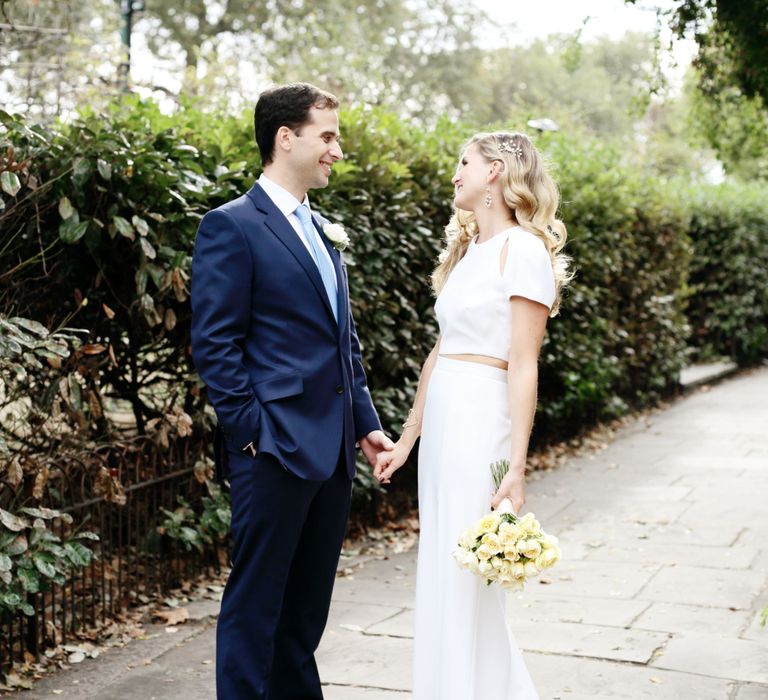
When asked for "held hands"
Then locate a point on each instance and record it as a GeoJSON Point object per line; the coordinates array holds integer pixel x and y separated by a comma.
{"type": "Point", "coordinates": [389, 462]}
{"type": "Point", "coordinates": [375, 444]}
{"type": "Point", "coordinates": [513, 488]}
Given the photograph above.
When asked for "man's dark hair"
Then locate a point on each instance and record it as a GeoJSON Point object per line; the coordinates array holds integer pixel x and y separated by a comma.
{"type": "Point", "coordinates": [286, 105]}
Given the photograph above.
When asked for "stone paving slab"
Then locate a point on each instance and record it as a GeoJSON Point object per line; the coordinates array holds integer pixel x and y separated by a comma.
{"type": "Point", "coordinates": [549, 506]}
{"type": "Point", "coordinates": [578, 678]}
{"type": "Point", "coordinates": [359, 615]}
{"type": "Point", "coordinates": [95, 679]}
{"type": "Point", "coordinates": [708, 533]}
{"type": "Point", "coordinates": [705, 462]}
{"type": "Point", "coordinates": [637, 514]}
{"type": "Point", "coordinates": [717, 656]}
{"type": "Point", "coordinates": [704, 556]}
{"type": "Point", "coordinates": [754, 628]}
{"type": "Point", "coordinates": [699, 586]}
{"type": "Point", "coordinates": [681, 619]}
{"type": "Point", "coordinates": [394, 587]}
{"type": "Point", "coordinates": [349, 658]}
{"type": "Point", "coordinates": [593, 611]}
{"type": "Point", "coordinates": [186, 671]}
{"type": "Point", "coordinates": [753, 537]}
{"type": "Point", "coordinates": [340, 692]}
{"type": "Point", "coordinates": [708, 372]}
{"type": "Point", "coordinates": [606, 580]}
{"type": "Point", "coordinates": [752, 692]}
{"type": "Point", "coordinates": [599, 642]}
{"type": "Point", "coordinates": [400, 625]}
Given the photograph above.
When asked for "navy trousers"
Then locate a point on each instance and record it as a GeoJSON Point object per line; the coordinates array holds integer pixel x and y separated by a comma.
{"type": "Point", "coordinates": [287, 534]}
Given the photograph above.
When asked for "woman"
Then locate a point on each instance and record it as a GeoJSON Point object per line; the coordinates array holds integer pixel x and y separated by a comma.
{"type": "Point", "coordinates": [498, 280]}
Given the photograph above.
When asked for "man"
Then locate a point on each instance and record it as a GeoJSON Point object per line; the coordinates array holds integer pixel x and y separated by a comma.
{"type": "Point", "coordinates": [275, 343]}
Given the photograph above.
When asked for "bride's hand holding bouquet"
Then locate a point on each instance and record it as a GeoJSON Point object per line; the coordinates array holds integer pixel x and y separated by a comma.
{"type": "Point", "coordinates": [503, 547]}
{"type": "Point", "coordinates": [510, 488]}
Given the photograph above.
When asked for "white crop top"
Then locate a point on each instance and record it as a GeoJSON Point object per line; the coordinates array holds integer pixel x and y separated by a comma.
{"type": "Point", "coordinates": [473, 308]}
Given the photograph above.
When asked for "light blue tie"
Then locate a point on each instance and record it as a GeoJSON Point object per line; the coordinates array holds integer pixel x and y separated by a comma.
{"type": "Point", "coordinates": [323, 264]}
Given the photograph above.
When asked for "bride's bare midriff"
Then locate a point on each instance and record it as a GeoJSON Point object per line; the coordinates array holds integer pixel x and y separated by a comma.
{"type": "Point", "coordinates": [481, 359]}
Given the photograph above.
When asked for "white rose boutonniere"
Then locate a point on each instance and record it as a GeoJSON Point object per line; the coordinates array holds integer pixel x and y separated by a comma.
{"type": "Point", "coordinates": [336, 234]}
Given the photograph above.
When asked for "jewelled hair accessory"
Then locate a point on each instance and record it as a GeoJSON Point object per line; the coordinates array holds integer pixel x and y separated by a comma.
{"type": "Point", "coordinates": [510, 145]}
{"type": "Point", "coordinates": [552, 232]}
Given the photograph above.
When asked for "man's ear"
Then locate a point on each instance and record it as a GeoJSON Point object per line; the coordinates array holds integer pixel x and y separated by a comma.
{"type": "Point", "coordinates": [284, 138]}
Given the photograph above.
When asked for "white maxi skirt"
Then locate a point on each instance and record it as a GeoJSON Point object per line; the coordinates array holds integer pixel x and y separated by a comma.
{"type": "Point", "coordinates": [463, 648]}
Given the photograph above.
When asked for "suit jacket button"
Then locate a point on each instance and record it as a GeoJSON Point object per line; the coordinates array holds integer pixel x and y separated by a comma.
{"type": "Point", "coordinates": [339, 389]}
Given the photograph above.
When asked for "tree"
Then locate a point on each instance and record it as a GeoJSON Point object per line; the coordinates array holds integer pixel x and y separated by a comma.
{"type": "Point", "coordinates": [736, 30]}
{"type": "Point", "coordinates": [601, 86]}
{"type": "Point", "coordinates": [735, 126]}
{"type": "Point", "coordinates": [57, 54]}
{"type": "Point", "coordinates": [727, 98]}
{"type": "Point", "coordinates": [419, 56]}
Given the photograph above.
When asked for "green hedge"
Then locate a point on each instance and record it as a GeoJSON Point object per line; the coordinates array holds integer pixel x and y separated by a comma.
{"type": "Point", "coordinates": [621, 337]}
{"type": "Point", "coordinates": [106, 208]}
{"type": "Point", "coordinates": [728, 308]}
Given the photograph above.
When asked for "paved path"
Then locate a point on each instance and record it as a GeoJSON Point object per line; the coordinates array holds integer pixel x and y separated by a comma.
{"type": "Point", "coordinates": [665, 541]}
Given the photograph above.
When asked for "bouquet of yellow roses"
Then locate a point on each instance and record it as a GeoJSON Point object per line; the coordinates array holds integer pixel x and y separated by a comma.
{"type": "Point", "coordinates": [504, 547]}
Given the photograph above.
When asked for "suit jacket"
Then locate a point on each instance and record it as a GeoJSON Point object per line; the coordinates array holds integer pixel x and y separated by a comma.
{"type": "Point", "coordinates": [280, 371]}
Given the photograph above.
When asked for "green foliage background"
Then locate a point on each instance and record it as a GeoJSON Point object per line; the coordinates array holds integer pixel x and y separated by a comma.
{"type": "Point", "coordinates": [728, 307]}
{"type": "Point", "coordinates": [98, 222]}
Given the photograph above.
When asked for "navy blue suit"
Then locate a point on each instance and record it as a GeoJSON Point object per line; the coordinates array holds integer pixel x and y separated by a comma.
{"type": "Point", "coordinates": [283, 374]}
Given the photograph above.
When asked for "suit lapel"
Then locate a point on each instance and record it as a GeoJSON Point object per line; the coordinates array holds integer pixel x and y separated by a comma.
{"type": "Point", "coordinates": [279, 225]}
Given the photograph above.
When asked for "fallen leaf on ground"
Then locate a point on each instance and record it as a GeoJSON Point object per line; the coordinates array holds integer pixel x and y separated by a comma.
{"type": "Point", "coordinates": [174, 616]}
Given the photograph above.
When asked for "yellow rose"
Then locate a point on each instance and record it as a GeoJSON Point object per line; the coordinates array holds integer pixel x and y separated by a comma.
{"type": "Point", "coordinates": [491, 541]}
{"type": "Point", "coordinates": [484, 566]}
{"type": "Point", "coordinates": [548, 558]}
{"type": "Point", "coordinates": [483, 552]}
{"type": "Point", "coordinates": [512, 585]}
{"type": "Point", "coordinates": [465, 559]}
{"type": "Point", "coordinates": [532, 548]}
{"type": "Point", "coordinates": [548, 541]}
{"type": "Point", "coordinates": [529, 523]}
{"type": "Point", "coordinates": [509, 534]}
{"type": "Point", "coordinates": [507, 567]}
{"type": "Point", "coordinates": [529, 548]}
{"type": "Point", "coordinates": [489, 523]}
{"type": "Point", "coordinates": [518, 570]}
{"type": "Point", "coordinates": [531, 569]}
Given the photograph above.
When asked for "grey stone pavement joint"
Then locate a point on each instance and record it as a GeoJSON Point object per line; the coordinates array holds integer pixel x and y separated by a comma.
{"type": "Point", "coordinates": [665, 569]}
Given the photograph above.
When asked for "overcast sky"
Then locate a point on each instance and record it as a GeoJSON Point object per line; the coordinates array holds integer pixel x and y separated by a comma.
{"type": "Point", "coordinates": [542, 17]}
{"type": "Point", "coordinates": [520, 21]}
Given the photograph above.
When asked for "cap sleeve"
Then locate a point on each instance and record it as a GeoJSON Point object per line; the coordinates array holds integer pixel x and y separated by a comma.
{"type": "Point", "coordinates": [528, 269]}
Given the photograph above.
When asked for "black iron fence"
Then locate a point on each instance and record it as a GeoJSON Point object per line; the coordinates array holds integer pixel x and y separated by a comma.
{"type": "Point", "coordinates": [134, 562]}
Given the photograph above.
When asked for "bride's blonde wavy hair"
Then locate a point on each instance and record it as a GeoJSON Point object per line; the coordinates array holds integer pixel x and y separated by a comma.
{"type": "Point", "coordinates": [530, 193]}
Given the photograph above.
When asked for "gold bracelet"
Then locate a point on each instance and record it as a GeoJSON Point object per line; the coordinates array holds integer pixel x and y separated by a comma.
{"type": "Point", "coordinates": [407, 423]}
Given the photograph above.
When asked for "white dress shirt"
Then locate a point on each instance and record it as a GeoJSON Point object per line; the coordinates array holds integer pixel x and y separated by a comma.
{"type": "Point", "coordinates": [287, 204]}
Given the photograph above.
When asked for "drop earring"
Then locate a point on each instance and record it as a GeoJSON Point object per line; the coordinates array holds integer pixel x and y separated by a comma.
{"type": "Point", "coordinates": [488, 199]}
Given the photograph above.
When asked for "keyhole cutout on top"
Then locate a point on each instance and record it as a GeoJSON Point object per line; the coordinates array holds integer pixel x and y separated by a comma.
{"type": "Point", "coordinates": [503, 256]}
